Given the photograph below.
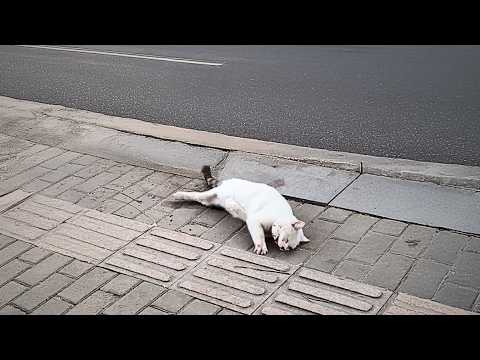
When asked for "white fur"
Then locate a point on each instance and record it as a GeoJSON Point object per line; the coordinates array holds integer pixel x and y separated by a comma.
{"type": "Point", "coordinates": [261, 206]}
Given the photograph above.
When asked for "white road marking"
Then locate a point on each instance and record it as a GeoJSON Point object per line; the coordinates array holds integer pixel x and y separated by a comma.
{"type": "Point", "coordinates": [123, 55]}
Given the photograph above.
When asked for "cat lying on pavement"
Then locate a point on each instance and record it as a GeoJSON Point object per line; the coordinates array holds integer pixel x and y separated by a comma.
{"type": "Point", "coordinates": [261, 206]}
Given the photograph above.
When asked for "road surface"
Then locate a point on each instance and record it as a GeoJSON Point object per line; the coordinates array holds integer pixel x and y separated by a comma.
{"type": "Point", "coordinates": [413, 102]}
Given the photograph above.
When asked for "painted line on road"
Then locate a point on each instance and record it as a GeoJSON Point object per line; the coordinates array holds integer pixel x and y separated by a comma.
{"type": "Point", "coordinates": [186, 61]}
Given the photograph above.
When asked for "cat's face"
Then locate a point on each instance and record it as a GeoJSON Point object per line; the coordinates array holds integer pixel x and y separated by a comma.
{"type": "Point", "coordinates": [288, 235]}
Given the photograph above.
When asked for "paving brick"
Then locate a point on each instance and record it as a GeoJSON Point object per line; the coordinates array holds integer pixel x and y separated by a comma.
{"type": "Point", "coordinates": [134, 192]}
{"type": "Point", "coordinates": [5, 240]}
{"type": "Point", "coordinates": [76, 268]}
{"type": "Point", "coordinates": [144, 219]}
{"type": "Point", "coordinates": [424, 279]}
{"type": "Point", "coordinates": [389, 271]}
{"type": "Point", "coordinates": [115, 220]}
{"type": "Point", "coordinates": [110, 205]}
{"type": "Point", "coordinates": [476, 307]}
{"type": "Point", "coordinates": [159, 177]}
{"type": "Point", "coordinates": [413, 241]}
{"type": "Point", "coordinates": [318, 231]}
{"type": "Point", "coordinates": [405, 304]}
{"type": "Point", "coordinates": [155, 214]}
{"type": "Point", "coordinates": [96, 181]}
{"type": "Point", "coordinates": [329, 255]}
{"type": "Point", "coordinates": [334, 214]}
{"type": "Point", "coordinates": [45, 211]}
{"type": "Point", "coordinates": [53, 306]}
{"type": "Point", "coordinates": [146, 201]}
{"type": "Point", "coordinates": [10, 291]}
{"type": "Point", "coordinates": [352, 270]}
{"type": "Point", "coordinates": [12, 269]}
{"type": "Point", "coordinates": [43, 269]}
{"type": "Point", "coordinates": [294, 257]}
{"type": "Point", "coordinates": [169, 186]}
{"type": "Point", "coordinates": [10, 200]}
{"type": "Point", "coordinates": [61, 173]}
{"type": "Point", "coordinates": [96, 168]}
{"type": "Point", "coordinates": [19, 230]}
{"type": "Point", "coordinates": [457, 296]}
{"type": "Point", "coordinates": [71, 195]}
{"type": "Point", "coordinates": [60, 160]}
{"type": "Point", "coordinates": [15, 166]}
{"type": "Point", "coordinates": [389, 227]}
{"type": "Point", "coordinates": [34, 255]}
{"type": "Point", "coordinates": [473, 244]}
{"type": "Point", "coordinates": [228, 312]}
{"type": "Point", "coordinates": [17, 181]}
{"type": "Point", "coordinates": [94, 304]}
{"type": "Point", "coordinates": [241, 240]}
{"type": "Point", "coordinates": [172, 301]}
{"type": "Point", "coordinates": [120, 285]}
{"type": "Point", "coordinates": [135, 300]}
{"type": "Point", "coordinates": [11, 310]}
{"type": "Point", "coordinates": [194, 229]}
{"type": "Point", "coordinates": [152, 311]}
{"type": "Point", "coordinates": [31, 219]}
{"type": "Point", "coordinates": [371, 247]}
{"type": "Point", "coordinates": [129, 179]}
{"type": "Point", "coordinates": [89, 202]}
{"type": "Point", "coordinates": [103, 227]}
{"type": "Point", "coordinates": [307, 212]}
{"type": "Point", "coordinates": [128, 211]}
{"type": "Point", "coordinates": [354, 227]}
{"type": "Point", "coordinates": [445, 247]}
{"type": "Point", "coordinates": [179, 217]}
{"type": "Point", "coordinates": [467, 270]}
{"type": "Point", "coordinates": [12, 251]}
{"type": "Point", "coordinates": [85, 160]}
{"type": "Point", "coordinates": [41, 292]}
{"type": "Point", "coordinates": [57, 204]}
{"type": "Point", "coordinates": [120, 168]}
{"type": "Point", "coordinates": [61, 186]}
{"type": "Point", "coordinates": [100, 194]}
{"type": "Point", "coordinates": [88, 283]}
{"type": "Point", "coordinates": [210, 217]}
{"type": "Point", "coordinates": [223, 230]}
{"type": "Point", "coordinates": [200, 307]}
{"type": "Point", "coordinates": [294, 203]}
{"type": "Point", "coordinates": [35, 185]}
{"type": "Point", "coordinates": [195, 185]}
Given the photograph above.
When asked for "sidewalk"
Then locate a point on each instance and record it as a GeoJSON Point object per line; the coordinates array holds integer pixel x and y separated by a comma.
{"type": "Point", "coordinates": [87, 227]}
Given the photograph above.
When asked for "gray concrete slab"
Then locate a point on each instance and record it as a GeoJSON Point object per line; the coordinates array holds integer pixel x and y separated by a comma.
{"type": "Point", "coordinates": [412, 201]}
{"type": "Point", "coordinates": [147, 152]}
{"type": "Point", "coordinates": [305, 181]}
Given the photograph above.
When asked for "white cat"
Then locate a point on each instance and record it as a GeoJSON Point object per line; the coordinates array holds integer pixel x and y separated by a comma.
{"type": "Point", "coordinates": [261, 206]}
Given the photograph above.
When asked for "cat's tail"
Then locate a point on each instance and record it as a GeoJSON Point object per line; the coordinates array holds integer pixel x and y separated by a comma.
{"type": "Point", "coordinates": [207, 174]}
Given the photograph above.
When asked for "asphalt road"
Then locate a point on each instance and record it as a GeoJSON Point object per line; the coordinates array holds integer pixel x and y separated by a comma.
{"type": "Point", "coordinates": [413, 102]}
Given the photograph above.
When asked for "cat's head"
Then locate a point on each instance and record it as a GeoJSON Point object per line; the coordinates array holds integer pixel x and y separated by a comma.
{"type": "Point", "coordinates": [288, 233]}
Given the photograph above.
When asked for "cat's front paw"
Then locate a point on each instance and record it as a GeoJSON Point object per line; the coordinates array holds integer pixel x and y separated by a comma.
{"type": "Point", "coordinates": [260, 249]}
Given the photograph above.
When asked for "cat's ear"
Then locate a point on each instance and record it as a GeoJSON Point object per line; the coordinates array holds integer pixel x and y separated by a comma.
{"type": "Point", "coordinates": [297, 225]}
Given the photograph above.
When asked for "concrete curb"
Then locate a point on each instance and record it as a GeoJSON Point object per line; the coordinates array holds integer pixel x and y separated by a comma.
{"type": "Point", "coordinates": [438, 173]}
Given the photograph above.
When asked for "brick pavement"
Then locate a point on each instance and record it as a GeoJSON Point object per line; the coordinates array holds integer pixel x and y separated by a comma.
{"type": "Point", "coordinates": [82, 242]}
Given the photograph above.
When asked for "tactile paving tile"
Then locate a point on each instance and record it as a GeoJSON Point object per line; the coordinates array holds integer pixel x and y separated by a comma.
{"type": "Point", "coordinates": [405, 304]}
{"type": "Point", "coordinates": [314, 292]}
{"type": "Point", "coordinates": [36, 216]}
{"type": "Point", "coordinates": [160, 256]}
{"type": "Point", "coordinates": [91, 236]}
{"type": "Point", "coordinates": [235, 279]}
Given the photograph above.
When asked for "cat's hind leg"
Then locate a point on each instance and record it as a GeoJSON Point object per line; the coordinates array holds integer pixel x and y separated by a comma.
{"type": "Point", "coordinates": [206, 198]}
{"type": "Point", "coordinates": [234, 209]}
